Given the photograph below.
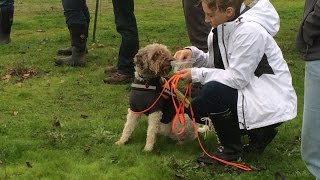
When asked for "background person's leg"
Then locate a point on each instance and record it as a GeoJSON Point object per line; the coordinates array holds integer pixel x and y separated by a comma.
{"type": "Point", "coordinates": [78, 28]}
{"type": "Point", "coordinates": [197, 28]}
{"type": "Point", "coordinates": [310, 135]}
{"type": "Point", "coordinates": [6, 20]}
{"type": "Point", "coordinates": [127, 27]}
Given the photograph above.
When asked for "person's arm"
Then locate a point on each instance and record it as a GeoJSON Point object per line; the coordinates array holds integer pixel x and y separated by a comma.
{"type": "Point", "coordinates": [311, 25]}
{"type": "Point", "coordinates": [247, 50]}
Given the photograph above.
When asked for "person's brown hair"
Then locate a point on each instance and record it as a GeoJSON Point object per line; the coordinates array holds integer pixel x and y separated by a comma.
{"type": "Point", "coordinates": [222, 5]}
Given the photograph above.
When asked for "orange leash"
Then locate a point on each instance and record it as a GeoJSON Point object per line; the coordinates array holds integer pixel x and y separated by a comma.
{"type": "Point", "coordinates": [237, 165]}
{"type": "Point", "coordinates": [165, 86]}
{"type": "Point", "coordinates": [154, 103]}
{"type": "Point", "coordinates": [180, 110]}
{"type": "Point", "coordinates": [172, 85]}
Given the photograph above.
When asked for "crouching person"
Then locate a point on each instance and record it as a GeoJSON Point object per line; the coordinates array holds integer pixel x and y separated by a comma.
{"type": "Point", "coordinates": [6, 20]}
{"type": "Point", "coordinates": [247, 84]}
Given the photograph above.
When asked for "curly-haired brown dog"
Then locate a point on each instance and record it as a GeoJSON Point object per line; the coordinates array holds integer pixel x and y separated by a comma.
{"type": "Point", "coordinates": [151, 63]}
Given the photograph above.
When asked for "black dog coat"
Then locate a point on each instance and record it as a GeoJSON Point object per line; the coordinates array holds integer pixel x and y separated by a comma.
{"type": "Point", "coordinates": [144, 93]}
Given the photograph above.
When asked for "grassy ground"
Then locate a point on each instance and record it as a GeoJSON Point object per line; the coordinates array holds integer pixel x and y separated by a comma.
{"type": "Point", "coordinates": [61, 123]}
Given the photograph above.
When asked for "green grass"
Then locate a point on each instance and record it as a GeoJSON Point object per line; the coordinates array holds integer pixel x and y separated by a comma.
{"type": "Point", "coordinates": [91, 114]}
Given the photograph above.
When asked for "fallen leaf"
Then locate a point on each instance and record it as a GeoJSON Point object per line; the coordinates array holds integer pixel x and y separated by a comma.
{"type": "Point", "coordinates": [28, 164]}
{"type": "Point", "coordinates": [56, 124]}
{"type": "Point", "coordinates": [7, 76]}
{"type": "Point", "coordinates": [87, 148]}
{"type": "Point", "coordinates": [84, 116]}
{"type": "Point", "coordinates": [19, 84]}
{"type": "Point", "coordinates": [26, 75]}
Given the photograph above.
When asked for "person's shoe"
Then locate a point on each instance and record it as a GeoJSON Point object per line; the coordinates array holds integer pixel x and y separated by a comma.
{"type": "Point", "coordinates": [225, 153]}
{"type": "Point", "coordinates": [259, 139]}
{"type": "Point", "coordinates": [77, 58]}
{"type": "Point", "coordinates": [110, 69]}
{"type": "Point", "coordinates": [4, 39]}
{"type": "Point", "coordinates": [118, 78]}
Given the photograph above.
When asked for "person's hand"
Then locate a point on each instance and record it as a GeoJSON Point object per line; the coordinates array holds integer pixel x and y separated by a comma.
{"type": "Point", "coordinates": [183, 54]}
{"type": "Point", "coordinates": [185, 75]}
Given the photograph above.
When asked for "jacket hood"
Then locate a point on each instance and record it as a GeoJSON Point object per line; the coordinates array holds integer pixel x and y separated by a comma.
{"type": "Point", "coordinates": [263, 13]}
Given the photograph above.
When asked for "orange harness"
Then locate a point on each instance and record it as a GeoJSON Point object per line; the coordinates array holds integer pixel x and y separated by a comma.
{"type": "Point", "coordinates": [172, 86]}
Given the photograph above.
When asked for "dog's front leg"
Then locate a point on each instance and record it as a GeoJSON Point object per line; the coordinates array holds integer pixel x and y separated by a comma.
{"type": "Point", "coordinates": [129, 126]}
{"type": "Point", "coordinates": [153, 127]}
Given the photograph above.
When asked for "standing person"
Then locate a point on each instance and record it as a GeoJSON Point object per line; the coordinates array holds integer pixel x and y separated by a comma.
{"type": "Point", "coordinates": [247, 84]}
{"type": "Point", "coordinates": [308, 43]}
{"type": "Point", "coordinates": [77, 19]}
{"type": "Point", "coordinates": [6, 20]}
{"type": "Point", "coordinates": [127, 27]}
{"type": "Point", "coordinates": [198, 29]}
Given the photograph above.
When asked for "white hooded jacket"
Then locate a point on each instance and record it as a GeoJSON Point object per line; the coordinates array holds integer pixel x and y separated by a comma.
{"type": "Point", "coordinates": [265, 92]}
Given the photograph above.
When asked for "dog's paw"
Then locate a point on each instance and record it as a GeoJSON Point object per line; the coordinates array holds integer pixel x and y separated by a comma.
{"type": "Point", "coordinates": [148, 148]}
{"type": "Point", "coordinates": [119, 143]}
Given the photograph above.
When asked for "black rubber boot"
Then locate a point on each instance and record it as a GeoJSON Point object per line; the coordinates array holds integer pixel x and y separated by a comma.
{"type": "Point", "coordinates": [228, 133]}
{"type": "Point", "coordinates": [65, 52]}
{"type": "Point", "coordinates": [68, 51]}
{"type": "Point", "coordinates": [6, 20]}
{"type": "Point", "coordinates": [79, 36]}
{"type": "Point", "coordinates": [259, 138]}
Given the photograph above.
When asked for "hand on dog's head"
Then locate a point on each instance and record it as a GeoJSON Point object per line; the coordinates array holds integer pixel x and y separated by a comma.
{"type": "Point", "coordinates": [153, 60]}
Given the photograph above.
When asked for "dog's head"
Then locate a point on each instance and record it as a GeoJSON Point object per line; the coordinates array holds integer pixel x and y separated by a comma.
{"type": "Point", "coordinates": [152, 61]}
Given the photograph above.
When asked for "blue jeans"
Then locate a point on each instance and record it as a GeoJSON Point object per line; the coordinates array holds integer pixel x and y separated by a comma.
{"type": "Point", "coordinates": [310, 135]}
{"type": "Point", "coordinates": [126, 26]}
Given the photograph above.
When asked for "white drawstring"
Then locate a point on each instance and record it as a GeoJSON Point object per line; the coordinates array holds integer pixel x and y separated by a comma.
{"type": "Point", "coordinates": [208, 126]}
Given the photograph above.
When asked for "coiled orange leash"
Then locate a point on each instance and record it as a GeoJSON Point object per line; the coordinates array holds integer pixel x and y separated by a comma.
{"type": "Point", "coordinates": [180, 116]}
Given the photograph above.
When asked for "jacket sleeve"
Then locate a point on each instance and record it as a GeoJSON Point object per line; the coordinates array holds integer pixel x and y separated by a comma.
{"type": "Point", "coordinates": [246, 48]}
{"type": "Point", "coordinates": [203, 59]}
{"type": "Point", "coordinates": [311, 25]}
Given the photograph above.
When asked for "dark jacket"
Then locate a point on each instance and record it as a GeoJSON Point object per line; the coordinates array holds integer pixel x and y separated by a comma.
{"type": "Point", "coordinates": [308, 38]}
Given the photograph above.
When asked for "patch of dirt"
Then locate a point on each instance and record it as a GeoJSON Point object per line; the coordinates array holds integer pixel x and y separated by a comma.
{"type": "Point", "coordinates": [21, 72]}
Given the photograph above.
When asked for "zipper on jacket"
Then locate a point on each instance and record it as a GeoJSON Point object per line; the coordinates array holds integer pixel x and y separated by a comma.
{"type": "Point", "coordinates": [244, 119]}
{"type": "Point", "coordinates": [225, 49]}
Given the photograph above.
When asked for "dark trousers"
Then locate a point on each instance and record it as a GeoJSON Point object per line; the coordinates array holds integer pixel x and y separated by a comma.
{"type": "Point", "coordinates": [6, 3]}
{"type": "Point", "coordinates": [197, 28]}
{"type": "Point", "coordinates": [76, 13]}
{"type": "Point", "coordinates": [215, 98]}
{"type": "Point", "coordinates": [126, 26]}
{"type": "Point", "coordinates": [6, 16]}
